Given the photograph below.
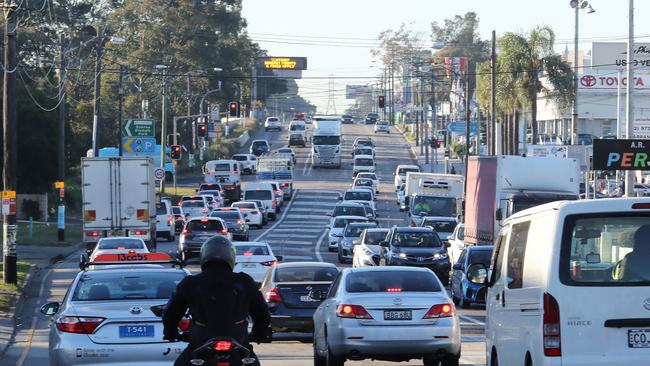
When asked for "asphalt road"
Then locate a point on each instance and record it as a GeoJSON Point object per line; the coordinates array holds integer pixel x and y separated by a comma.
{"type": "Point", "coordinates": [299, 234]}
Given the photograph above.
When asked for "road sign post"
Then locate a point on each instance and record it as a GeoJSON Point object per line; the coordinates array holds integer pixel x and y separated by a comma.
{"type": "Point", "coordinates": [60, 220]}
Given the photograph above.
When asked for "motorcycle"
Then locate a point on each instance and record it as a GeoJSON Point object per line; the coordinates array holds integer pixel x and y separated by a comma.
{"type": "Point", "coordinates": [218, 351]}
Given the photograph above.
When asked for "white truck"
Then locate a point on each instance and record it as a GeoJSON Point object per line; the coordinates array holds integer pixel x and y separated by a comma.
{"type": "Point", "coordinates": [119, 199]}
{"type": "Point", "coordinates": [278, 168]}
{"type": "Point", "coordinates": [499, 186]}
{"type": "Point", "coordinates": [227, 174]}
{"type": "Point", "coordinates": [326, 142]}
{"type": "Point", "coordinates": [429, 194]}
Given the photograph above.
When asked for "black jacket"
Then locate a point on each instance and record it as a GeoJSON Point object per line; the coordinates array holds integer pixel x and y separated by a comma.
{"type": "Point", "coordinates": [219, 302]}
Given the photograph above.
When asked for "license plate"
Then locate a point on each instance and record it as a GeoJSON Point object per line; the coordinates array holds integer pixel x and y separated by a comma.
{"type": "Point", "coordinates": [307, 298]}
{"type": "Point", "coordinates": [248, 265]}
{"type": "Point", "coordinates": [136, 331]}
{"type": "Point", "coordinates": [638, 338]}
{"type": "Point", "coordinates": [397, 315]}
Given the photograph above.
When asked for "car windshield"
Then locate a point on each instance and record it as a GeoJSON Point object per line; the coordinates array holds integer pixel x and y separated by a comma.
{"type": "Point", "coordinates": [367, 176]}
{"type": "Point", "coordinates": [227, 215]}
{"type": "Point", "coordinates": [444, 226]}
{"type": "Point", "coordinates": [326, 140]}
{"type": "Point", "coordinates": [374, 237]}
{"type": "Point", "coordinates": [249, 250]}
{"type": "Point", "coordinates": [372, 115]}
{"type": "Point", "coordinates": [126, 285]}
{"type": "Point", "coordinates": [298, 127]}
{"type": "Point", "coordinates": [416, 240]}
{"type": "Point", "coordinates": [260, 145]}
{"type": "Point", "coordinates": [434, 206]}
{"type": "Point", "coordinates": [392, 281]}
{"type": "Point", "coordinates": [193, 204]}
{"type": "Point", "coordinates": [239, 157]}
{"type": "Point", "coordinates": [340, 223]}
{"type": "Point", "coordinates": [364, 143]}
{"type": "Point", "coordinates": [305, 274]}
{"type": "Point", "coordinates": [212, 186]}
{"type": "Point", "coordinates": [358, 196]}
{"type": "Point", "coordinates": [480, 256]}
{"type": "Point", "coordinates": [120, 243]}
{"type": "Point", "coordinates": [403, 171]}
{"type": "Point", "coordinates": [606, 251]}
{"type": "Point", "coordinates": [363, 151]}
{"type": "Point", "coordinates": [349, 211]}
{"type": "Point", "coordinates": [258, 195]}
{"type": "Point", "coordinates": [355, 230]}
{"type": "Point", "coordinates": [204, 225]}
{"type": "Point", "coordinates": [382, 123]}
{"type": "Point", "coordinates": [161, 209]}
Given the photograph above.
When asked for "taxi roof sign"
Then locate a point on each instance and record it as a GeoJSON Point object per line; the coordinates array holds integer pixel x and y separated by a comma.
{"type": "Point", "coordinates": [128, 258]}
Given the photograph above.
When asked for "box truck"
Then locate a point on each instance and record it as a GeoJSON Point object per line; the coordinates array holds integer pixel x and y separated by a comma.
{"type": "Point", "coordinates": [429, 194]}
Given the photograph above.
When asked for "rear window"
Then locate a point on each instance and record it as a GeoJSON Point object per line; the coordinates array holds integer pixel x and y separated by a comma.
{"type": "Point", "coordinates": [358, 196]}
{"type": "Point", "coordinates": [382, 281]}
{"type": "Point", "coordinates": [340, 223]}
{"type": "Point", "coordinates": [249, 250]}
{"type": "Point", "coordinates": [298, 127]}
{"type": "Point", "coordinates": [403, 171]}
{"type": "Point", "coordinates": [208, 225]}
{"type": "Point", "coordinates": [364, 162]}
{"type": "Point", "coordinates": [161, 209]}
{"type": "Point", "coordinates": [363, 183]}
{"type": "Point", "coordinates": [349, 211]}
{"type": "Point", "coordinates": [176, 210]}
{"type": "Point", "coordinates": [120, 244]}
{"type": "Point", "coordinates": [606, 250]}
{"type": "Point", "coordinates": [221, 167]}
{"type": "Point", "coordinates": [260, 144]}
{"type": "Point", "coordinates": [193, 204]}
{"type": "Point", "coordinates": [355, 230]}
{"type": "Point", "coordinates": [226, 215]}
{"type": "Point", "coordinates": [239, 158]}
{"type": "Point", "coordinates": [244, 205]}
{"type": "Point", "coordinates": [273, 119]}
{"type": "Point", "coordinates": [305, 274]}
{"type": "Point", "coordinates": [258, 195]}
{"type": "Point", "coordinates": [441, 226]}
{"type": "Point", "coordinates": [118, 285]}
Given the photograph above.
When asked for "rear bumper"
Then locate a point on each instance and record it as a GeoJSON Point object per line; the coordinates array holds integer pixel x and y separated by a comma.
{"type": "Point", "coordinates": [284, 323]}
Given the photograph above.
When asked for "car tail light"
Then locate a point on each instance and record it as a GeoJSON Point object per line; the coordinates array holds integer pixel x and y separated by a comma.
{"type": "Point", "coordinates": [170, 218]}
{"type": "Point", "coordinates": [352, 311]}
{"type": "Point", "coordinates": [184, 324]}
{"type": "Point", "coordinates": [283, 184]}
{"type": "Point", "coordinates": [204, 210]}
{"type": "Point", "coordinates": [78, 324]}
{"type": "Point", "coordinates": [186, 231]}
{"type": "Point", "coordinates": [140, 232]}
{"type": "Point", "coordinates": [273, 295]}
{"type": "Point", "coordinates": [180, 203]}
{"type": "Point", "coordinates": [440, 311]}
{"type": "Point", "coordinates": [222, 346]}
{"type": "Point", "coordinates": [223, 231]}
{"type": "Point", "coordinates": [93, 233]}
{"type": "Point", "coordinates": [273, 203]}
{"type": "Point", "coordinates": [552, 340]}
{"type": "Point", "coordinates": [254, 212]}
{"type": "Point", "coordinates": [413, 224]}
{"type": "Point", "coordinates": [269, 263]}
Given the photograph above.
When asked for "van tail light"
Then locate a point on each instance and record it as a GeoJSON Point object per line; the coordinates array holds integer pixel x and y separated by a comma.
{"type": "Point", "coordinates": [180, 203]}
{"type": "Point", "coordinates": [78, 324]}
{"type": "Point", "coordinates": [273, 295]}
{"type": "Point", "coordinates": [269, 263]}
{"type": "Point", "coordinates": [552, 340]}
{"type": "Point", "coordinates": [184, 324]}
{"type": "Point", "coordinates": [440, 311]}
{"type": "Point", "coordinates": [352, 311]}
{"type": "Point", "coordinates": [140, 232]}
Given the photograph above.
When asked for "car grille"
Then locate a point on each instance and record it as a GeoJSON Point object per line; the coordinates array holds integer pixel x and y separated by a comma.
{"type": "Point", "coordinates": [326, 152]}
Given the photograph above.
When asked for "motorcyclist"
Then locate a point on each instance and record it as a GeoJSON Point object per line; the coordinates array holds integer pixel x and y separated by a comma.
{"type": "Point", "coordinates": [219, 302]}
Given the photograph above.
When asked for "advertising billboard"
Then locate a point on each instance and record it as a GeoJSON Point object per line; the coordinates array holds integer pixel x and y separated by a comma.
{"type": "Point", "coordinates": [282, 63]}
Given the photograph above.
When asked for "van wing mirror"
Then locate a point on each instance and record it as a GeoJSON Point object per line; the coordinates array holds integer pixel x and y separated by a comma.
{"type": "Point", "coordinates": [498, 215]}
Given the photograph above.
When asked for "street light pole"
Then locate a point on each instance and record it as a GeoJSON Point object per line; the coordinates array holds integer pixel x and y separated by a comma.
{"type": "Point", "coordinates": [574, 119]}
{"type": "Point", "coordinates": [120, 108]}
{"type": "Point", "coordinates": [629, 175]}
{"type": "Point", "coordinates": [163, 128]}
{"type": "Point", "coordinates": [97, 118]}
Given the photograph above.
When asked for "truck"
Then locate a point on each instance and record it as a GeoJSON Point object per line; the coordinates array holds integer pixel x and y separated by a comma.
{"type": "Point", "coordinates": [326, 142]}
{"type": "Point", "coordinates": [227, 174]}
{"type": "Point", "coordinates": [112, 152]}
{"type": "Point", "coordinates": [499, 186]}
{"type": "Point", "coordinates": [119, 199]}
{"type": "Point", "coordinates": [431, 194]}
{"type": "Point", "coordinates": [279, 168]}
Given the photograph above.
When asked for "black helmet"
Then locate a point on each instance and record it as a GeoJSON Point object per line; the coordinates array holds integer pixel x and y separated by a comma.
{"type": "Point", "coordinates": [220, 249]}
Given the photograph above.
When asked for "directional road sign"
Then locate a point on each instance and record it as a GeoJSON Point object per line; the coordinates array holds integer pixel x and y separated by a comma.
{"type": "Point", "coordinates": [138, 146]}
{"type": "Point", "coordinates": [138, 128]}
{"type": "Point", "coordinates": [460, 127]}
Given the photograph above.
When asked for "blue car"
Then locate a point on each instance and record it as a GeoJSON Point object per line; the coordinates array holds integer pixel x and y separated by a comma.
{"type": "Point", "coordinates": [463, 291]}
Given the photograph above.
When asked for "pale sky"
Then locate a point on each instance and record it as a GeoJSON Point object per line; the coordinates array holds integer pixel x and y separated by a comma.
{"type": "Point", "coordinates": [336, 36]}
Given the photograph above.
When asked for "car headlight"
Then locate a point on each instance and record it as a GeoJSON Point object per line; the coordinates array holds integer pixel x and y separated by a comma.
{"type": "Point", "coordinates": [399, 255]}
{"type": "Point", "coordinates": [440, 256]}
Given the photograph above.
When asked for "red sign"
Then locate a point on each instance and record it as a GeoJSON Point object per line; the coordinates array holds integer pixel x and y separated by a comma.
{"type": "Point", "coordinates": [132, 257]}
{"type": "Point", "coordinates": [609, 81]}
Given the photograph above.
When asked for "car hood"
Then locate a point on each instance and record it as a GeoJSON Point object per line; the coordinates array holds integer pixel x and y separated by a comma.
{"type": "Point", "coordinates": [418, 251]}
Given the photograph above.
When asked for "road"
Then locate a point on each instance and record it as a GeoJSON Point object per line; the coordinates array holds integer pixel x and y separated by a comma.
{"type": "Point", "coordinates": [299, 234]}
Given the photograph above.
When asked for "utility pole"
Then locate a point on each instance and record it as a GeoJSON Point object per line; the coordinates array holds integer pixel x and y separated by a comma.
{"type": "Point", "coordinates": [163, 128]}
{"type": "Point", "coordinates": [189, 112]}
{"type": "Point", "coordinates": [120, 108]}
{"type": "Point", "coordinates": [415, 103]}
{"type": "Point", "coordinates": [97, 114]}
{"type": "Point", "coordinates": [494, 136]}
{"type": "Point", "coordinates": [62, 100]}
{"type": "Point", "coordinates": [434, 121]}
{"type": "Point", "coordinates": [9, 178]}
{"type": "Point", "coordinates": [467, 123]}
{"type": "Point", "coordinates": [574, 119]}
{"type": "Point", "coordinates": [629, 174]}
{"type": "Point", "coordinates": [425, 138]}
{"type": "Point", "coordinates": [392, 94]}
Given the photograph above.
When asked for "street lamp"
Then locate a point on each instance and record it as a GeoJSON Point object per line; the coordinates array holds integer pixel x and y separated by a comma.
{"type": "Point", "coordinates": [577, 5]}
{"type": "Point", "coordinates": [163, 127]}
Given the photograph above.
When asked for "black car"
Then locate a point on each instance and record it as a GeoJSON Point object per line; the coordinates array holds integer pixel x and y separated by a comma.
{"type": "Point", "coordinates": [418, 247]}
{"type": "Point", "coordinates": [260, 147]}
{"type": "Point", "coordinates": [234, 221]}
{"type": "Point", "coordinates": [372, 118]}
{"type": "Point", "coordinates": [347, 119]}
{"type": "Point", "coordinates": [179, 219]}
{"type": "Point", "coordinates": [294, 290]}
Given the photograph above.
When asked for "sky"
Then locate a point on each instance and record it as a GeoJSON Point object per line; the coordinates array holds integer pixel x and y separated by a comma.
{"type": "Point", "coordinates": [337, 36]}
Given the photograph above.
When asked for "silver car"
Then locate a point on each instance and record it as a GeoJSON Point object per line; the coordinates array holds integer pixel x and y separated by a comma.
{"type": "Point", "coordinates": [105, 318]}
{"type": "Point", "coordinates": [350, 238]}
{"type": "Point", "coordinates": [367, 252]}
{"type": "Point", "coordinates": [393, 314]}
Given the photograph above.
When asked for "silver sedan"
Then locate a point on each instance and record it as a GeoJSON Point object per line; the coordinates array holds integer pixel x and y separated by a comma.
{"type": "Point", "coordinates": [382, 313]}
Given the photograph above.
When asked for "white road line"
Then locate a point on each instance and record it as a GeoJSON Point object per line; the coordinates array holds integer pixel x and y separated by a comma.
{"type": "Point", "coordinates": [298, 257]}
{"type": "Point", "coordinates": [289, 236]}
{"type": "Point", "coordinates": [298, 229]}
{"type": "Point", "coordinates": [318, 244]}
{"type": "Point", "coordinates": [286, 210]}
{"type": "Point", "coordinates": [312, 217]}
{"type": "Point", "coordinates": [315, 210]}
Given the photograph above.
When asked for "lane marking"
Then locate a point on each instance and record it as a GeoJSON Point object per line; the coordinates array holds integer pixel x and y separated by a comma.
{"type": "Point", "coordinates": [278, 222]}
{"type": "Point", "coordinates": [289, 236]}
{"type": "Point", "coordinates": [472, 320]}
{"type": "Point", "coordinates": [318, 245]}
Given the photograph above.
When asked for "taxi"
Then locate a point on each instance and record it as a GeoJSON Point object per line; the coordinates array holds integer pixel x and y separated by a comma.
{"type": "Point", "coordinates": [119, 245]}
{"type": "Point", "coordinates": [106, 317]}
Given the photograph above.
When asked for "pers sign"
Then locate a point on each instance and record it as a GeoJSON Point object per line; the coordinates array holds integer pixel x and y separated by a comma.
{"type": "Point", "coordinates": [612, 154]}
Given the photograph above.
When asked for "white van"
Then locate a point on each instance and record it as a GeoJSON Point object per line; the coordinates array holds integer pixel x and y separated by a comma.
{"type": "Point", "coordinates": [261, 192]}
{"type": "Point", "coordinates": [363, 163]}
{"type": "Point", "coordinates": [570, 285]}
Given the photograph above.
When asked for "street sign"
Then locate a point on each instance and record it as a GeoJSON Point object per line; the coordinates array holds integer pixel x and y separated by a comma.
{"type": "Point", "coordinates": [159, 173]}
{"type": "Point", "coordinates": [138, 146]}
{"type": "Point", "coordinates": [214, 113]}
{"type": "Point", "coordinates": [8, 202]}
{"type": "Point", "coordinates": [138, 128]}
{"type": "Point", "coordinates": [460, 127]}
{"type": "Point", "coordinates": [610, 154]}
{"type": "Point", "coordinates": [59, 185]}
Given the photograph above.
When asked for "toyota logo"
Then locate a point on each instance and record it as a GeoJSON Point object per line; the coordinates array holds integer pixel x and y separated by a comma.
{"type": "Point", "coordinates": [646, 304]}
{"type": "Point", "coordinates": [136, 310]}
{"type": "Point", "coordinates": [397, 301]}
{"type": "Point", "coordinates": [588, 80]}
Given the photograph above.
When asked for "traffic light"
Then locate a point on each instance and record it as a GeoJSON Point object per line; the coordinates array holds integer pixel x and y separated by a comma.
{"type": "Point", "coordinates": [202, 130]}
{"type": "Point", "coordinates": [175, 153]}
{"type": "Point", "coordinates": [233, 107]}
{"type": "Point", "coordinates": [382, 101]}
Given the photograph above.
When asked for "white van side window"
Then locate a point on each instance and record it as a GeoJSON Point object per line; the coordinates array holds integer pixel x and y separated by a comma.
{"type": "Point", "coordinates": [497, 258]}
{"type": "Point", "coordinates": [516, 253]}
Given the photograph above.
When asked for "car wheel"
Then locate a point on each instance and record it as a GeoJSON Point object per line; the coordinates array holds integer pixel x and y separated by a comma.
{"type": "Point", "coordinates": [341, 260]}
{"type": "Point", "coordinates": [431, 361]}
{"type": "Point", "coordinates": [450, 360]}
{"type": "Point", "coordinates": [331, 360]}
{"type": "Point", "coordinates": [318, 359]}
{"type": "Point", "coordinates": [494, 359]}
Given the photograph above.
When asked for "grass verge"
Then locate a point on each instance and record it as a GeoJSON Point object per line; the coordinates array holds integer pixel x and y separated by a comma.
{"type": "Point", "coordinates": [47, 234]}
{"type": "Point", "coordinates": [9, 293]}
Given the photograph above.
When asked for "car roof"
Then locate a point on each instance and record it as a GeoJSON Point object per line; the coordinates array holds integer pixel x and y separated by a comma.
{"type": "Point", "coordinates": [209, 218]}
{"type": "Point", "coordinates": [378, 229]}
{"type": "Point", "coordinates": [409, 229]}
{"type": "Point", "coordinates": [304, 264]}
{"type": "Point", "coordinates": [361, 223]}
{"type": "Point", "coordinates": [350, 217]}
{"type": "Point", "coordinates": [358, 190]}
{"type": "Point", "coordinates": [407, 166]}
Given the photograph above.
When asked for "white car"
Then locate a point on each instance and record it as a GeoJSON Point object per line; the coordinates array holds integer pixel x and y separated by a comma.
{"type": "Point", "coordinates": [387, 313]}
{"type": "Point", "coordinates": [367, 252]}
{"type": "Point", "coordinates": [400, 173]}
{"type": "Point", "coordinates": [165, 223]}
{"type": "Point", "coordinates": [372, 176]}
{"type": "Point", "coordinates": [119, 245]}
{"type": "Point", "coordinates": [364, 183]}
{"type": "Point", "coordinates": [272, 123]}
{"type": "Point", "coordinates": [247, 163]}
{"type": "Point", "coordinates": [363, 163]}
{"type": "Point", "coordinates": [336, 227]}
{"type": "Point", "coordinates": [195, 208]}
{"type": "Point", "coordinates": [456, 243]}
{"type": "Point", "coordinates": [254, 259]}
{"type": "Point", "coordinates": [443, 226]}
{"type": "Point", "coordinates": [360, 195]}
{"type": "Point", "coordinates": [217, 200]}
{"type": "Point", "coordinates": [382, 126]}
{"type": "Point", "coordinates": [251, 212]}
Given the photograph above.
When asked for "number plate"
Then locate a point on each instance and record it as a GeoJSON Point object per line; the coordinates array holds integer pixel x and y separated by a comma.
{"type": "Point", "coordinates": [248, 265]}
{"type": "Point", "coordinates": [638, 338]}
{"type": "Point", "coordinates": [134, 331]}
{"type": "Point", "coordinates": [397, 315]}
{"type": "Point", "coordinates": [307, 298]}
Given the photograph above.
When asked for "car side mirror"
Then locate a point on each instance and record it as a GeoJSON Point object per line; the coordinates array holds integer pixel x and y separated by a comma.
{"type": "Point", "coordinates": [355, 242]}
{"type": "Point", "coordinates": [498, 215]}
{"type": "Point", "coordinates": [457, 267]}
{"type": "Point", "coordinates": [477, 273]}
{"type": "Point", "coordinates": [50, 309]}
{"type": "Point", "coordinates": [279, 258]}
